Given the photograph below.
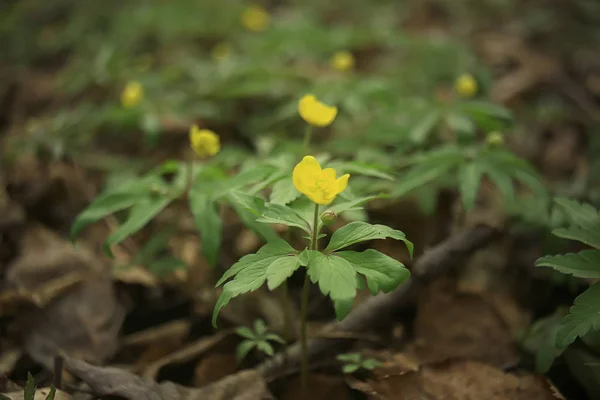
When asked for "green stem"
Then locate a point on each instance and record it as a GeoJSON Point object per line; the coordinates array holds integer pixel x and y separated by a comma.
{"type": "Point", "coordinates": [314, 245]}
{"type": "Point", "coordinates": [189, 177]}
{"type": "Point", "coordinates": [307, 136]}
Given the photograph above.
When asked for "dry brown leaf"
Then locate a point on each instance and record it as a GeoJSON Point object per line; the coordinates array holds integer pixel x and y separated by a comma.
{"type": "Point", "coordinates": [109, 381]}
{"type": "Point", "coordinates": [322, 387]}
{"type": "Point", "coordinates": [453, 325]}
{"type": "Point", "coordinates": [82, 320]}
{"type": "Point", "coordinates": [213, 367]}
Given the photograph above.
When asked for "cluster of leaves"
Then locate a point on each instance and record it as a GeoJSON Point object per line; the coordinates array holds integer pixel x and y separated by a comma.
{"type": "Point", "coordinates": [258, 339]}
{"type": "Point", "coordinates": [30, 389]}
{"type": "Point", "coordinates": [338, 273]}
{"type": "Point", "coordinates": [355, 361]}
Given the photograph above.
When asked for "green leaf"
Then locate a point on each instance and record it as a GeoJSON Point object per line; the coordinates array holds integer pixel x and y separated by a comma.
{"type": "Point", "coordinates": [500, 178]}
{"type": "Point", "coordinates": [103, 206]}
{"type": "Point", "coordinates": [477, 108]}
{"type": "Point", "coordinates": [265, 347]}
{"type": "Point", "coordinates": [382, 272]}
{"type": "Point", "coordinates": [460, 123]}
{"type": "Point", "coordinates": [358, 231]}
{"type": "Point", "coordinates": [582, 317]}
{"type": "Point", "coordinates": [420, 176]}
{"type": "Point", "coordinates": [343, 307]}
{"type": "Point", "coordinates": [4, 397]}
{"type": "Point", "coordinates": [164, 266]}
{"type": "Point", "coordinates": [208, 221]}
{"type": "Point", "coordinates": [350, 368]}
{"type": "Point", "coordinates": [280, 214]}
{"type": "Point", "coordinates": [244, 178]}
{"type": "Point", "coordinates": [363, 169]}
{"type": "Point", "coordinates": [275, 338]}
{"type": "Point", "coordinates": [243, 349]}
{"type": "Point", "coordinates": [284, 192]}
{"type": "Point", "coordinates": [354, 358]}
{"type": "Point", "coordinates": [589, 235]}
{"type": "Point", "coordinates": [585, 264]}
{"type": "Point", "coordinates": [279, 271]}
{"type": "Point", "coordinates": [371, 364]}
{"type": "Point", "coordinates": [259, 327]}
{"type": "Point", "coordinates": [139, 215]}
{"type": "Point", "coordinates": [350, 205]}
{"type": "Point", "coordinates": [52, 393]}
{"type": "Point", "coordinates": [29, 390]}
{"type": "Point", "coordinates": [246, 332]}
{"type": "Point", "coordinates": [250, 272]}
{"type": "Point", "coordinates": [582, 214]}
{"type": "Point", "coordinates": [540, 339]}
{"type": "Point", "coordinates": [336, 277]}
{"type": "Point", "coordinates": [252, 203]}
{"type": "Point", "coordinates": [469, 178]}
{"type": "Point", "coordinates": [248, 218]}
{"type": "Point", "coordinates": [421, 131]}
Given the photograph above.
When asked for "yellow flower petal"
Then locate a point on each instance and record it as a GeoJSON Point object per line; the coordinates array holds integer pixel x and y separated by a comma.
{"type": "Point", "coordinates": [341, 183]}
{"type": "Point", "coordinates": [320, 186]}
{"type": "Point", "coordinates": [466, 85]}
{"type": "Point", "coordinates": [316, 113]}
{"type": "Point", "coordinates": [205, 142]}
{"type": "Point", "coordinates": [132, 94]}
{"type": "Point", "coordinates": [342, 61]}
{"type": "Point", "coordinates": [255, 18]}
{"type": "Point", "coordinates": [221, 52]}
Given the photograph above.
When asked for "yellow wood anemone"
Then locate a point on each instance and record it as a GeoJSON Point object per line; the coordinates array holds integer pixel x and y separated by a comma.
{"type": "Point", "coordinates": [342, 61]}
{"type": "Point", "coordinates": [132, 94]}
{"type": "Point", "coordinates": [255, 18]}
{"type": "Point", "coordinates": [316, 113]}
{"type": "Point", "coordinates": [466, 85]}
{"type": "Point", "coordinates": [205, 142]}
{"type": "Point", "coordinates": [319, 185]}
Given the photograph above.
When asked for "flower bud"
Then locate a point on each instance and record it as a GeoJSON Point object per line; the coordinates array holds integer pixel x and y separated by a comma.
{"type": "Point", "coordinates": [495, 139]}
{"type": "Point", "coordinates": [328, 218]}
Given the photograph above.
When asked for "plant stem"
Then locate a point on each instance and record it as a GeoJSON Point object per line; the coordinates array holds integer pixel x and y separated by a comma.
{"type": "Point", "coordinates": [314, 245]}
{"type": "Point", "coordinates": [307, 136]}
{"type": "Point", "coordinates": [189, 177]}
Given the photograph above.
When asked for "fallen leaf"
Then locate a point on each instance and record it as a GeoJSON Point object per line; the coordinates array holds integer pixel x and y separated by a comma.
{"type": "Point", "coordinates": [322, 387]}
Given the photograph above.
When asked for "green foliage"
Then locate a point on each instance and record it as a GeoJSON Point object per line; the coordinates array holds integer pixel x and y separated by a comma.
{"type": "Point", "coordinates": [584, 226]}
{"type": "Point", "coordinates": [30, 389]}
{"type": "Point", "coordinates": [355, 361]}
{"type": "Point", "coordinates": [258, 339]}
{"type": "Point", "coordinates": [540, 339]}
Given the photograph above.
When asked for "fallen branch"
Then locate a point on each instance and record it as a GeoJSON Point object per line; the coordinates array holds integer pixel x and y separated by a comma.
{"type": "Point", "coordinates": [434, 263]}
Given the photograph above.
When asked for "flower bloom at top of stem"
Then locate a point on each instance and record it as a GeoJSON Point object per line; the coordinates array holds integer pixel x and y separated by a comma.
{"type": "Point", "coordinates": [316, 113]}
{"type": "Point", "coordinates": [319, 185]}
{"type": "Point", "coordinates": [132, 94]}
{"type": "Point", "coordinates": [342, 61]}
{"type": "Point", "coordinates": [255, 18]}
{"type": "Point", "coordinates": [466, 85]}
{"type": "Point", "coordinates": [205, 142]}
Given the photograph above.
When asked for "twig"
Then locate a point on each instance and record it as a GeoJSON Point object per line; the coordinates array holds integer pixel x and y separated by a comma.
{"type": "Point", "coordinates": [434, 263]}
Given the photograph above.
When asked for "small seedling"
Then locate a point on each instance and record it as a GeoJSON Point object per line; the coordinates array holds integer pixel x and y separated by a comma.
{"type": "Point", "coordinates": [355, 361]}
{"type": "Point", "coordinates": [258, 338]}
{"type": "Point", "coordinates": [30, 389]}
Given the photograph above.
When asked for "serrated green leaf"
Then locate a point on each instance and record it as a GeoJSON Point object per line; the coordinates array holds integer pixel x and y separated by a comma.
{"type": "Point", "coordinates": [363, 169]}
{"type": "Point", "coordinates": [243, 349]}
{"type": "Point", "coordinates": [29, 390]}
{"type": "Point", "coordinates": [421, 131]}
{"type": "Point", "coordinates": [275, 338]}
{"type": "Point", "coordinates": [208, 221]}
{"type": "Point", "coordinates": [246, 332]}
{"type": "Point", "coordinates": [382, 272]}
{"type": "Point", "coordinates": [460, 123]}
{"type": "Point", "coordinates": [358, 231]}
{"type": "Point", "coordinates": [501, 180]}
{"type": "Point", "coordinates": [284, 192]}
{"type": "Point", "coordinates": [139, 215]}
{"type": "Point", "coordinates": [350, 205]}
{"type": "Point", "coordinates": [581, 214]}
{"type": "Point", "coordinates": [540, 339]}
{"type": "Point", "coordinates": [248, 218]}
{"type": "Point", "coordinates": [278, 272]}
{"type": "Point", "coordinates": [265, 347]}
{"type": "Point", "coordinates": [249, 202]}
{"type": "Point", "coordinates": [336, 277]}
{"type": "Point", "coordinates": [280, 214]}
{"type": "Point", "coordinates": [250, 272]}
{"type": "Point", "coordinates": [589, 235]}
{"type": "Point", "coordinates": [343, 307]}
{"type": "Point", "coordinates": [350, 368]}
{"type": "Point", "coordinates": [469, 179]}
{"type": "Point", "coordinates": [585, 264]}
{"type": "Point", "coordinates": [103, 206]}
{"type": "Point", "coordinates": [582, 317]}
{"type": "Point", "coordinates": [242, 179]}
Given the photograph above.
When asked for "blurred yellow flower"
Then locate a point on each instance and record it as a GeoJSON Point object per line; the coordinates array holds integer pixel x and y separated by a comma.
{"type": "Point", "coordinates": [255, 18]}
{"type": "Point", "coordinates": [342, 61]}
{"type": "Point", "coordinates": [132, 94]}
{"type": "Point", "coordinates": [319, 185]}
{"type": "Point", "coordinates": [466, 85]}
{"type": "Point", "coordinates": [221, 52]}
{"type": "Point", "coordinates": [495, 138]}
{"type": "Point", "coordinates": [205, 142]}
{"type": "Point", "coordinates": [316, 113]}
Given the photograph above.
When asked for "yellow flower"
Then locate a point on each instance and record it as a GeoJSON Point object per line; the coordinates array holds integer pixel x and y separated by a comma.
{"type": "Point", "coordinates": [221, 51]}
{"type": "Point", "coordinates": [466, 85]}
{"type": "Point", "coordinates": [319, 185]}
{"type": "Point", "coordinates": [316, 113]}
{"type": "Point", "coordinates": [342, 61]}
{"type": "Point", "coordinates": [255, 18]}
{"type": "Point", "coordinates": [204, 142]}
{"type": "Point", "coordinates": [495, 138]}
{"type": "Point", "coordinates": [132, 94]}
